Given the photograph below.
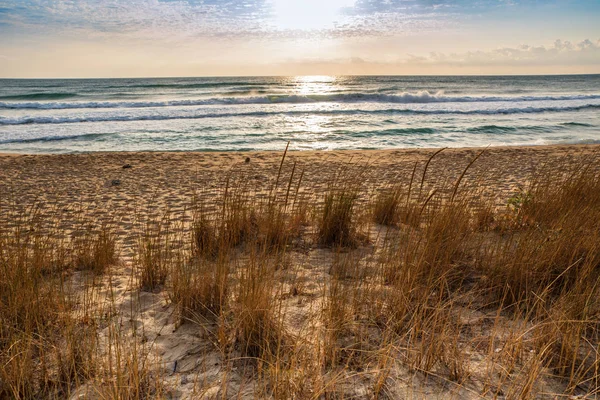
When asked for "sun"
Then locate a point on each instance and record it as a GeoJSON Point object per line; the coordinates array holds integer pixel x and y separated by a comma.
{"type": "Point", "coordinates": [308, 14]}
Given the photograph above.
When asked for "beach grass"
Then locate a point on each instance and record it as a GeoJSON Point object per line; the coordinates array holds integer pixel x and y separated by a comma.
{"type": "Point", "coordinates": [416, 289]}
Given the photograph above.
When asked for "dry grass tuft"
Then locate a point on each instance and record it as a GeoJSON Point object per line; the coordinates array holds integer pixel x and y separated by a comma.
{"type": "Point", "coordinates": [156, 252]}
{"type": "Point", "coordinates": [337, 222]}
{"type": "Point", "coordinates": [462, 297]}
{"type": "Point", "coordinates": [200, 287]}
{"type": "Point", "coordinates": [387, 207]}
{"type": "Point", "coordinates": [96, 251]}
{"type": "Point", "coordinates": [258, 329]}
{"type": "Point", "coordinates": [44, 350]}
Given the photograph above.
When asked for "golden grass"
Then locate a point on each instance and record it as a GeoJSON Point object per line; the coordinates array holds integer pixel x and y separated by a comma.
{"type": "Point", "coordinates": [475, 300]}
{"type": "Point", "coordinates": [337, 222]}
{"type": "Point", "coordinates": [96, 251]}
{"type": "Point", "coordinates": [387, 206]}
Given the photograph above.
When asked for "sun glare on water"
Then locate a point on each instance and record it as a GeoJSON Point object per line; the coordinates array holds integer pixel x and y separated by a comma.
{"type": "Point", "coordinates": [315, 85]}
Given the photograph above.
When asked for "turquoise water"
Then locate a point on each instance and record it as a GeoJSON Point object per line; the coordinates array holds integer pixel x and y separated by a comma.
{"type": "Point", "coordinates": [264, 113]}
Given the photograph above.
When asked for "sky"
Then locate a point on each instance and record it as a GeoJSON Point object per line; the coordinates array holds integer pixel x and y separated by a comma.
{"type": "Point", "coordinates": [152, 38]}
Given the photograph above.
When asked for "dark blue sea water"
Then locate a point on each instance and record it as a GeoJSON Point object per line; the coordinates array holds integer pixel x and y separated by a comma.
{"type": "Point", "coordinates": [264, 113]}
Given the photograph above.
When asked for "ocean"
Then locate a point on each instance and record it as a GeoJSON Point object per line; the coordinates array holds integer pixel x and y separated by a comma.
{"type": "Point", "coordinates": [312, 113]}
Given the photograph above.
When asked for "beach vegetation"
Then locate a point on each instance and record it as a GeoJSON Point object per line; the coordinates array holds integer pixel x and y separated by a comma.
{"type": "Point", "coordinates": [287, 291]}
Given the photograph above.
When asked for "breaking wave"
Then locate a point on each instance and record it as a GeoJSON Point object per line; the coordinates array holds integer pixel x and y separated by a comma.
{"type": "Point", "coordinates": [154, 117]}
{"type": "Point", "coordinates": [404, 98]}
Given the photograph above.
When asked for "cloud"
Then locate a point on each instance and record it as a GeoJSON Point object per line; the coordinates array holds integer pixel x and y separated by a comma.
{"type": "Point", "coordinates": [174, 21]}
{"type": "Point", "coordinates": [348, 36]}
{"type": "Point", "coordinates": [365, 7]}
{"type": "Point", "coordinates": [560, 57]}
{"type": "Point", "coordinates": [220, 18]}
{"type": "Point", "coordinates": [250, 18]}
{"type": "Point", "coordinates": [562, 52]}
{"type": "Point", "coordinates": [107, 60]}
{"type": "Point", "coordinates": [129, 17]}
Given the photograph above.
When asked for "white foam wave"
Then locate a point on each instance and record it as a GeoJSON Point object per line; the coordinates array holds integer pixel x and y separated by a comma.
{"type": "Point", "coordinates": [160, 117]}
{"type": "Point", "coordinates": [403, 98]}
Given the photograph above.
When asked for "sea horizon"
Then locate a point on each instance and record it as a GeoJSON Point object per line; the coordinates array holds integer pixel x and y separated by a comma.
{"type": "Point", "coordinates": [366, 112]}
{"type": "Point", "coordinates": [293, 76]}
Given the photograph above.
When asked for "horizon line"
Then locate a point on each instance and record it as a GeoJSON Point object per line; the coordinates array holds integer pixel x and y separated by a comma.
{"type": "Point", "coordinates": [290, 76]}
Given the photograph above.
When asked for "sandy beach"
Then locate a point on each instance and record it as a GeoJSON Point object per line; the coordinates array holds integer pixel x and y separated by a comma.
{"type": "Point", "coordinates": [299, 200]}
{"type": "Point", "coordinates": [70, 194]}
{"type": "Point", "coordinates": [96, 186]}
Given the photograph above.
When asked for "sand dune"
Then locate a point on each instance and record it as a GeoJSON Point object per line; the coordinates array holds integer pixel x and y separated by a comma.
{"type": "Point", "coordinates": [126, 190]}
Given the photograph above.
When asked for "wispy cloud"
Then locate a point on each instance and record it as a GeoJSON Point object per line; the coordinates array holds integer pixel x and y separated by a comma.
{"type": "Point", "coordinates": [561, 57]}
{"type": "Point", "coordinates": [238, 35]}
{"type": "Point", "coordinates": [127, 17]}
{"type": "Point", "coordinates": [562, 52]}
{"type": "Point", "coordinates": [223, 18]}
